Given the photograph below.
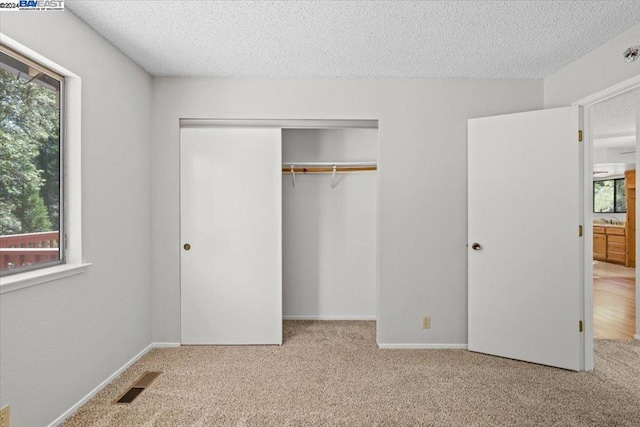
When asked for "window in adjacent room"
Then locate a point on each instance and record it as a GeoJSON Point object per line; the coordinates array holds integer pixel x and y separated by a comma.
{"type": "Point", "coordinates": [609, 196]}
{"type": "Point", "coordinates": [31, 203]}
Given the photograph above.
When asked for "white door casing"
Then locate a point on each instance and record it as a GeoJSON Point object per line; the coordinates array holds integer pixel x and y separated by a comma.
{"type": "Point", "coordinates": [231, 216]}
{"type": "Point", "coordinates": [525, 202]}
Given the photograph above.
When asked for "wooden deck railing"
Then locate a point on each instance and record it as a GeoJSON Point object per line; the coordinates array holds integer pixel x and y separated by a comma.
{"type": "Point", "coordinates": [20, 250]}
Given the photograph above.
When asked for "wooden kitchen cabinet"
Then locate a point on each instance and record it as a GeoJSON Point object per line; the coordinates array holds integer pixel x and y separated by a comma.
{"type": "Point", "coordinates": [609, 244]}
{"type": "Point", "coordinates": [630, 177]}
{"type": "Point", "coordinates": [619, 231]}
{"type": "Point", "coordinates": [599, 245]}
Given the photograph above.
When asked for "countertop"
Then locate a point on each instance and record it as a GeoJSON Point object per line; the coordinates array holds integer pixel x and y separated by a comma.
{"type": "Point", "coordinates": [601, 224]}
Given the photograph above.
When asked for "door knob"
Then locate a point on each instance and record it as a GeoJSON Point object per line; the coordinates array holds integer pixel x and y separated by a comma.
{"type": "Point", "coordinates": [476, 246]}
{"type": "Point", "coordinates": [187, 246]}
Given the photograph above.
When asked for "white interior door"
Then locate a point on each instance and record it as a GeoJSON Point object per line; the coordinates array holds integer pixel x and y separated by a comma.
{"type": "Point", "coordinates": [525, 209]}
{"type": "Point", "coordinates": [231, 217]}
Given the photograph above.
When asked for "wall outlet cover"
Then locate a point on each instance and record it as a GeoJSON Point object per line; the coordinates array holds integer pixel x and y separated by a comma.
{"type": "Point", "coordinates": [426, 322]}
{"type": "Point", "coordinates": [4, 416]}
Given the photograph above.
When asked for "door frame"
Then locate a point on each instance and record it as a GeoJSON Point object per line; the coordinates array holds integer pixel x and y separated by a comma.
{"type": "Point", "coordinates": [587, 153]}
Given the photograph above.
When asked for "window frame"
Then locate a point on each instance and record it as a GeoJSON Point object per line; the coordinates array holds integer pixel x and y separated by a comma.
{"type": "Point", "coordinates": [615, 193]}
{"type": "Point", "coordinates": [61, 163]}
{"type": "Point", "coordinates": [72, 187]}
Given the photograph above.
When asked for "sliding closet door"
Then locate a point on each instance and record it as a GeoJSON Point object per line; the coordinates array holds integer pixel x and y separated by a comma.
{"type": "Point", "coordinates": [231, 236]}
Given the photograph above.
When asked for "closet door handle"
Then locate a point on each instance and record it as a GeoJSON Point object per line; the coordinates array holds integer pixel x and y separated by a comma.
{"type": "Point", "coordinates": [187, 246]}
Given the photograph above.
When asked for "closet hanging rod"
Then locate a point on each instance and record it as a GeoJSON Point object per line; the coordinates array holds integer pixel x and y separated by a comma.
{"type": "Point", "coordinates": [328, 167]}
{"type": "Point", "coordinates": [329, 164]}
{"type": "Point", "coordinates": [304, 170]}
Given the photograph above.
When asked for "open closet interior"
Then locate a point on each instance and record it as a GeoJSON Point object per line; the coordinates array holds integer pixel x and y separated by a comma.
{"type": "Point", "coordinates": [329, 223]}
{"type": "Point", "coordinates": [277, 220]}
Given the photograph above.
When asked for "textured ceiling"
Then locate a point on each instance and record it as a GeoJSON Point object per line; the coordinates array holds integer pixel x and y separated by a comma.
{"type": "Point", "coordinates": [357, 39]}
{"type": "Point", "coordinates": [614, 121]}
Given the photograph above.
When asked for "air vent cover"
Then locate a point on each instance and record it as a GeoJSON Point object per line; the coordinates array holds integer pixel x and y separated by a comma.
{"type": "Point", "coordinates": [138, 387]}
{"type": "Point", "coordinates": [130, 395]}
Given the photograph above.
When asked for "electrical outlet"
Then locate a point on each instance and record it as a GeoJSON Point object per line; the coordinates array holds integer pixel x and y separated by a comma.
{"type": "Point", "coordinates": [4, 416]}
{"type": "Point", "coordinates": [426, 322]}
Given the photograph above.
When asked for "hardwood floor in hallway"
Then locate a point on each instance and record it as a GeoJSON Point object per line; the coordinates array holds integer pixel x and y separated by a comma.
{"type": "Point", "coordinates": [614, 301]}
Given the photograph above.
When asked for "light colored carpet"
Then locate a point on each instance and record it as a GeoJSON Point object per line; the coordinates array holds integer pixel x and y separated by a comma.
{"type": "Point", "coordinates": [332, 374]}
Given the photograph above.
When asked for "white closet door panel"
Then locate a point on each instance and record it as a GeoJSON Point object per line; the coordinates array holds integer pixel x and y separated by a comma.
{"type": "Point", "coordinates": [231, 216]}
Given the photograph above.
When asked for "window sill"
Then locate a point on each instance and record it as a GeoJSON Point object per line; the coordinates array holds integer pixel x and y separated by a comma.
{"type": "Point", "coordinates": [38, 277]}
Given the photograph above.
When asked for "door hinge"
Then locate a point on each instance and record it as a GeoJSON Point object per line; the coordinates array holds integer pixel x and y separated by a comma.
{"type": "Point", "coordinates": [580, 326]}
{"type": "Point", "coordinates": [579, 136]}
{"type": "Point", "coordinates": [579, 231]}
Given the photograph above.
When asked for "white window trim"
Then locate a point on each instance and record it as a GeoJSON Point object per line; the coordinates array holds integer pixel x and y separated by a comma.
{"type": "Point", "coordinates": [74, 263]}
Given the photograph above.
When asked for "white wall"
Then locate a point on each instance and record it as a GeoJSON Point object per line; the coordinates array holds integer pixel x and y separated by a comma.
{"type": "Point", "coordinates": [59, 340]}
{"type": "Point", "coordinates": [330, 234]}
{"type": "Point", "coordinates": [422, 182]}
{"type": "Point", "coordinates": [612, 155]}
{"type": "Point", "coordinates": [599, 69]}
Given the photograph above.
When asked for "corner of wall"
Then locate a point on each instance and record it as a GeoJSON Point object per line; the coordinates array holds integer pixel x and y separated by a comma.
{"type": "Point", "coordinates": [599, 69]}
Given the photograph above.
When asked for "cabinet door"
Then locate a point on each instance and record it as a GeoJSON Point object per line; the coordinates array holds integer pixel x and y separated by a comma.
{"type": "Point", "coordinates": [615, 230]}
{"type": "Point", "coordinates": [618, 257]}
{"type": "Point", "coordinates": [600, 246]}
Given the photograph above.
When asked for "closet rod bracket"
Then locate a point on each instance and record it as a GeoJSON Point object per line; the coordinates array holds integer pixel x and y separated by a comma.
{"type": "Point", "coordinates": [333, 176]}
{"type": "Point", "coordinates": [293, 174]}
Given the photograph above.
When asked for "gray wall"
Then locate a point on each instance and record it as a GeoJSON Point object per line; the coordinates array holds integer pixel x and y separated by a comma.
{"type": "Point", "coordinates": [422, 182]}
{"type": "Point", "coordinates": [59, 340]}
{"type": "Point", "coordinates": [329, 244]}
{"type": "Point", "coordinates": [599, 69]}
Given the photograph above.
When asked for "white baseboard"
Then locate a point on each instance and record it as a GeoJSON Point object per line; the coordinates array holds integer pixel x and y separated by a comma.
{"type": "Point", "coordinates": [165, 344]}
{"type": "Point", "coordinates": [323, 317]}
{"type": "Point", "coordinates": [112, 377]}
{"type": "Point", "coordinates": [102, 385]}
{"type": "Point", "coordinates": [423, 346]}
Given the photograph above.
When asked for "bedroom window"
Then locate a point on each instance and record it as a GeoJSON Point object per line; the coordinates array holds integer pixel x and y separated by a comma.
{"type": "Point", "coordinates": [31, 154]}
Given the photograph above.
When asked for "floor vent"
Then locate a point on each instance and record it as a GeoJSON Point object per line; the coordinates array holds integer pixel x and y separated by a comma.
{"type": "Point", "coordinates": [131, 394]}
{"type": "Point", "coordinates": [138, 387]}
